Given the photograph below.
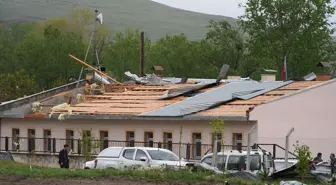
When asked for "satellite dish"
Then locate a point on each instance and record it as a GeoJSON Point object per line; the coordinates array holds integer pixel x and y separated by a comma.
{"type": "Point", "coordinates": [100, 18]}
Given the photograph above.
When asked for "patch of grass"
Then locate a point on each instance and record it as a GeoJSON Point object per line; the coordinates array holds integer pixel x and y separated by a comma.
{"type": "Point", "coordinates": [155, 19]}
{"type": "Point", "coordinates": [18, 169]}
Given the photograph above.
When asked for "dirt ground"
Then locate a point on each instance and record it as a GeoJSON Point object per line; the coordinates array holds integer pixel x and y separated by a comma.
{"type": "Point", "coordinates": [18, 180]}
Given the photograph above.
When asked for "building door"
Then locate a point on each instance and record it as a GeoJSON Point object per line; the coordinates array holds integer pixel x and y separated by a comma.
{"type": "Point", "coordinates": [237, 141]}
{"type": "Point", "coordinates": [103, 139]}
{"type": "Point", "coordinates": [69, 137]}
{"type": "Point", "coordinates": [47, 140]}
{"type": "Point", "coordinates": [148, 139]}
{"type": "Point", "coordinates": [168, 141]}
{"type": "Point", "coordinates": [196, 146]}
{"type": "Point", "coordinates": [16, 139]}
{"type": "Point", "coordinates": [31, 140]}
{"type": "Point", "coordinates": [130, 138]}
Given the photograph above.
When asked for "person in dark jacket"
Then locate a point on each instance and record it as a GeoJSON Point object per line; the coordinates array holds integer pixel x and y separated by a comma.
{"type": "Point", "coordinates": [63, 158]}
{"type": "Point", "coordinates": [318, 158]}
{"type": "Point", "coordinates": [332, 163]}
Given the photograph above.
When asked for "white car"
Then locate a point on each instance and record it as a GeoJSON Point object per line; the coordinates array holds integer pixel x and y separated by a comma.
{"type": "Point", "coordinates": [232, 160]}
{"type": "Point", "coordinates": [127, 157]}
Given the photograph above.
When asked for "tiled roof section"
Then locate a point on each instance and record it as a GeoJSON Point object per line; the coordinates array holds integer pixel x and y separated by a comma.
{"type": "Point", "coordinates": [239, 107]}
{"type": "Point", "coordinates": [145, 98]}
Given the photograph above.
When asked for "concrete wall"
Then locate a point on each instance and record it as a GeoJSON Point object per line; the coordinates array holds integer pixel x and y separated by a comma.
{"type": "Point", "coordinates": [311, 113]}
{"type": "Point", "coordinates": [47, 160]}
{"type": "Point", "coordinates": [117, 129]}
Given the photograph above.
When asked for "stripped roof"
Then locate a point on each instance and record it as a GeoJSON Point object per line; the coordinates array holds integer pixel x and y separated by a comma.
{"type": "Point", "coordinates": [146, 98]}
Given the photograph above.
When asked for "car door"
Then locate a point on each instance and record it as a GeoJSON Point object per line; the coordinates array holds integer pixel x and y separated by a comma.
{"type": "Point", "coordinates": [139, 155]}
{"type": "Point", "coordinates": [127, 158]}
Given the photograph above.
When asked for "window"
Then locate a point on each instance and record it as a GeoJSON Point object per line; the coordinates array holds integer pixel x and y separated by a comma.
{"type": "Point", "coordinates": [237, 141]}
{"type": "Point", "coordinates": [221, 160]}
{"type": "Point", "coordinates": [69, 137]}
{"type": "Point", "coordinates": [196, 145]}
{"type": "Point", "coordinates": [31, 140]}
{"type": "Point", "coordinates": [130, 138]}
{"type": "Point", "coordinates": [168, 141]}
{"type": "Point", "coordinates": [139, 154]}
{"type": "Point", "coordinates": [207, 160]}
{"type": "Point", "coordinates": [47, 140]}
{"type": "Point", "coordinates": [110, 153]}
{"type": "Point", "coordinates": [103, 139]}
{"type": "Point", "coordinates": [15, 139]}
{"type": "Point", "coordinates": [237, 162]}
{"type": "Point", "coordinates": [148, 139]}
{"type": "Point", "coordinates": [128, 154]}
{"type": "Point", "coordinates": [163, 155]}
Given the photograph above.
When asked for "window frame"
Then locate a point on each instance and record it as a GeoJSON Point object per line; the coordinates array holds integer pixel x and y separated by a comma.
{"type": "Point", "coordinates": [135, 157]}
{"type": "Point", "coordinates": [134, 151]}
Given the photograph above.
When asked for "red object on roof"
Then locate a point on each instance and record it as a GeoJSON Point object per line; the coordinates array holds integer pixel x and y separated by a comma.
{"type": "Point", "coordinates": [158, 68]}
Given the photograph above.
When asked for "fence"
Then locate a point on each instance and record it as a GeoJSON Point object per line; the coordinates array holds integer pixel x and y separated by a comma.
{"type": "Point", "coordinates": [194, 151]}
{"type": "Point", "coordinates": [188, 151]}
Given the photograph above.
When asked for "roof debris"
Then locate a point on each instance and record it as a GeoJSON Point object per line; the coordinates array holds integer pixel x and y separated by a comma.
{"type": "Point", "coordinates": [36, 107]}
{"type": "Point", "coordinates": [147, 79]}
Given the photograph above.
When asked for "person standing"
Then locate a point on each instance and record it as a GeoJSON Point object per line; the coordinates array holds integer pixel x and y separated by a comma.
{"type": "Point", "coordinates": [332, 163]}
{"type": "Point", "coordinates": [63, 158]}
{"type": "Point", "coordinates": [318, 158]}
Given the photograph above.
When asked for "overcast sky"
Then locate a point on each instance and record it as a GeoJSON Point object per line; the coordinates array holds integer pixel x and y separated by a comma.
{"type": "Point", "coordinates": [217, 7]}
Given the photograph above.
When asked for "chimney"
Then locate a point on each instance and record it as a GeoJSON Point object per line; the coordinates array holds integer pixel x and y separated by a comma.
{"type": "Point", "coordinates": [268, 77]}
{"type": "Point", "coordinates": [234, 77]}
{"type": "Point", "coordinates": [323, 77]}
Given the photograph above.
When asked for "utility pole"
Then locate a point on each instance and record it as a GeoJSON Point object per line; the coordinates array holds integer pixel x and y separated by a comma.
{"type": "Point", "coordinates": [95, 39]}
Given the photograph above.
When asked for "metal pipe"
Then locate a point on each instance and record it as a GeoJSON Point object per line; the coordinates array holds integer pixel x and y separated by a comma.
{"type": "Point", "coordinates": [95, 39]}
{"type": "Point", "coordinates": [248, 157]}
{"type": "Point", "coordinates": [287, 146]}
{"type": "Point", "coordinates": [214, 154]}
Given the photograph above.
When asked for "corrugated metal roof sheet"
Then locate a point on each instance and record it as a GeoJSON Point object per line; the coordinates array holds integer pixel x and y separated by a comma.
{"type": "Point", "coordinates": [241, 90]}
{"type": "Point", "coordinates": [263, 88]}
{"type": "Point", "coordinates": [183, 90]}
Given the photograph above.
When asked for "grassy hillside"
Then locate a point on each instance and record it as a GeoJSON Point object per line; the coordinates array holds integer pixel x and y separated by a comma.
{"type": "Point", "coordinates": [155, 19]}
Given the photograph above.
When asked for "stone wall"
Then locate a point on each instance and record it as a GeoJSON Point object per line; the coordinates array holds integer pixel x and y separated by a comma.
{"type": "Point", "coordinates": [47, 160]}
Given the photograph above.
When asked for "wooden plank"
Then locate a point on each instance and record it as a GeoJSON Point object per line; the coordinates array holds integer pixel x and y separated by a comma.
{"type": "Point", "coordinates": [96, 70]}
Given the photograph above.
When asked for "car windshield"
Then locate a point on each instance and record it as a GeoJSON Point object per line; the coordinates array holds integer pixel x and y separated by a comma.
{"type": "Point", "coordinates": [162, 155]}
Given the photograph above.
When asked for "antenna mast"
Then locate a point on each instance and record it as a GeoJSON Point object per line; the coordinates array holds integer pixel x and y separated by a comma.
{"type": "Point", "coordinates": [95, 39]}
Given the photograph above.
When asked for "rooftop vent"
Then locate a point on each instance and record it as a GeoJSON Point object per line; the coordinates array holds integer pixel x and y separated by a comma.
{"type": "Point", "coordinates": [267, 77]}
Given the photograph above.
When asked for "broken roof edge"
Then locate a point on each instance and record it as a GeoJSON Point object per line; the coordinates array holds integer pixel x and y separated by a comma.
{"type": "Point", "coordinates": [301, 91]}
{"type": "Point", "coordinates": [136, 117]}
{"type": "Point", "coordinates": [39, 96]}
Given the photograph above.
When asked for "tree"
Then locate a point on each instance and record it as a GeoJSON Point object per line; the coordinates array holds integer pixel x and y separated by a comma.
{"type": "Point", "coordinates": [218, 129]}
{"type": "Point", "coordinates": [305, 157]}
{"type": "Point", "coordinates": [89, 144]}
{"type": "Point", "coordinates": [298, 30]}
{"type": "Point", "coordinates": [10, 37]}
{"type": "Point", "coordinates": [227, 42]}
{"type": "Point", "coordinates": [46, 56]}
{"type": "Point", "coordinates": [16, 85]}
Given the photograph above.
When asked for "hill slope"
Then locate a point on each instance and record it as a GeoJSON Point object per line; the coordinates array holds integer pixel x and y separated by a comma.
{"type": "Point", "coordinates": [155, 19]}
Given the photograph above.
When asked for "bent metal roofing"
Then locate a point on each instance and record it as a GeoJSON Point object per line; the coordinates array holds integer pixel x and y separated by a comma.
{"type": "Point", "coordinates": [143, 99]}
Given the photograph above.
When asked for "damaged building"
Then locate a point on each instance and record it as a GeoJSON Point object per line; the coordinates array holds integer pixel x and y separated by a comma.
{"type": "Point", "coordinates": [160, 112]}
